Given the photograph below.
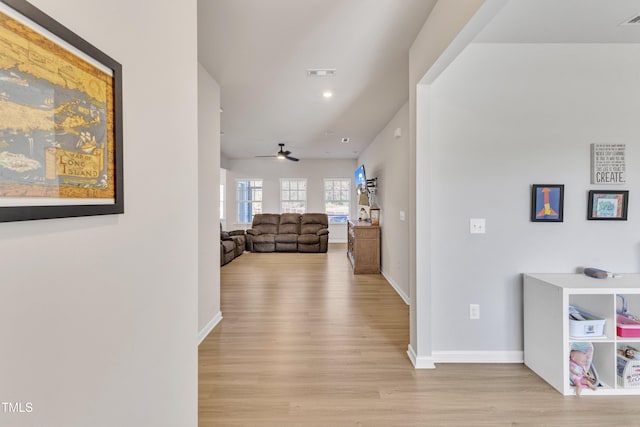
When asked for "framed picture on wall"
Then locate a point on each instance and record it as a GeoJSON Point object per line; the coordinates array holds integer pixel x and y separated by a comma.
{"type": "Point", "coordinates": [547, 202]}
{"type": "Point", "coordinates": [608, 205]}
{"type": "Point", "coordinates": [60, 120]}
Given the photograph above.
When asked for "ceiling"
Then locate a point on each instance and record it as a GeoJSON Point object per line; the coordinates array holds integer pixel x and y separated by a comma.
{"type": "Point", "coordinates": [259, 52]}
{"type": "Point", "coordinates": [563, 21]}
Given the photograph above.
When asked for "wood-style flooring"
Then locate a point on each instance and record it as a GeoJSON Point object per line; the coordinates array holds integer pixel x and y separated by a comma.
{"type": "Point", "coordinates": [304, 342]}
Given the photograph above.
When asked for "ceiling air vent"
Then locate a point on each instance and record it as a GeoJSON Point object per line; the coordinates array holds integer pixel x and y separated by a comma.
{"type": "Point", "coordinates": [321, 72]}
{"type": "Point", "coordinates": [634, 20]}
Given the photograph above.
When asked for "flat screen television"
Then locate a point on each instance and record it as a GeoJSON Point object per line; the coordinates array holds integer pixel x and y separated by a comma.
{"type": "Point", "coordinates": [360, 177]}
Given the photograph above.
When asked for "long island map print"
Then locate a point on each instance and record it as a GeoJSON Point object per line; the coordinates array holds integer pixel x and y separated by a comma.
{"type": "Point", "coordinates": [56, 122]}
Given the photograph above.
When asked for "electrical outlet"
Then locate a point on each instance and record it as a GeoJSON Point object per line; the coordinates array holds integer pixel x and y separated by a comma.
{"type": "Point", "coordinates": [474, 311]}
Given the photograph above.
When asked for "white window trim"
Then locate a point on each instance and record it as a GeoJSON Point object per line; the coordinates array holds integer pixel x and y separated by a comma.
{"type": "Point", "coordinates": [306, 192]}
{"type": "Point", "coordinates": [324, 182]}
{"type": "Point", "coordinates": [249, 201]}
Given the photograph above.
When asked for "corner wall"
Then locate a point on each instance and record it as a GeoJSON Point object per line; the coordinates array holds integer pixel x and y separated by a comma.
{"type": "Point", "coordinates": [387, 157]}
{"type": "Point", "coordinates": [447, 29]}
{"type": "Point", "coordinates": [99, 313]}
{"type": "Point", "coordinates": [503, 117]}
{"type": "Point", "coordinates": [208, 203]}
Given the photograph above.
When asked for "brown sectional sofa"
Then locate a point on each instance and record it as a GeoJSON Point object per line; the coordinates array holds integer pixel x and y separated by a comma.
{"type": "Point", "coordinates": [288, 233]}
{"type": "Point", "coordinates": [232, 245]}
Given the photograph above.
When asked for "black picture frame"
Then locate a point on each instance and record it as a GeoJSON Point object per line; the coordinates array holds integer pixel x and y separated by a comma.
{"type": "Point", "coordinates": [69, 64]}
{"type": "Point", "coordinates": [547, 203]}
{"type": "Point", "coordinates": [608, 205]}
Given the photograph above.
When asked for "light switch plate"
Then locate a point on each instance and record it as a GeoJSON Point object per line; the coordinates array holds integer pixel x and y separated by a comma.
{"type": "Point", "coordinates": [477, 226]}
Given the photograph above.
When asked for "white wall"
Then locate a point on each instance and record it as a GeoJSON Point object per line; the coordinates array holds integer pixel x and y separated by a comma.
{"type": "Point", "coordinates": [271, 170]}
{"type": "Point", "coordinates": [504, 117]}
{"type": "Point", "coordinates": [447, 28]}
{"type": "Point", "coordinates": [208, 203]}
{"type": "Point", "coordinates": [99, 314]}
{"type": "Point", "coordinates": [387, 157]}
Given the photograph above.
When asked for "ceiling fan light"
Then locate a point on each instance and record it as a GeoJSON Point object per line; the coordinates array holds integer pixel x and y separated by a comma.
{"type": "Point", "coordinates": [281, 156]}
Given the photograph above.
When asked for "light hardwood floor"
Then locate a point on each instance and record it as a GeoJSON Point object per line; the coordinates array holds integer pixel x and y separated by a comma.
{"type": "Point", "coordinates": [304, 342]}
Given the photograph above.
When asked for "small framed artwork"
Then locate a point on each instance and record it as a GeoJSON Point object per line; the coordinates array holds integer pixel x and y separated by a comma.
{"type": "Point", "coordinates": [547, 202]}
{"type": "Point", "coordinates": [608, 205]}
{"type": "Point", "coordinates": [375, 216]}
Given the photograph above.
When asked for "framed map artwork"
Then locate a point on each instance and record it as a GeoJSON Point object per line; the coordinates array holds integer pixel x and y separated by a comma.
{"type": "Point", "coordinates": [60, 120]}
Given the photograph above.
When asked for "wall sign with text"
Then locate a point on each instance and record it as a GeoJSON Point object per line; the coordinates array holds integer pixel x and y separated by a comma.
{"type": "Point", "coordinates": [608, 164]}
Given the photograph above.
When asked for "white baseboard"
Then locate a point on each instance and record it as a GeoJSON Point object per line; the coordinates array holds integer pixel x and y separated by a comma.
{"type": "Point", "coordinates": [478, 356]}
{"type": "Point", "coordinates": [420, 362]}
{"type": "Point", "coordinates": [207, 329]}
{"type": "Point", "coordinates": [395, 286]}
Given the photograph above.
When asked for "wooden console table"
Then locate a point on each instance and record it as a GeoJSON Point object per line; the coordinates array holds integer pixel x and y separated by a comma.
{"type": "Point", "coordinates": [363, 247]}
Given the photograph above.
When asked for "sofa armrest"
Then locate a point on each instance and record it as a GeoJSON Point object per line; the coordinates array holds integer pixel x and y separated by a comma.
{"type": "Point", "coordinates": [236, 233]}
{"type": "Point", "coordinates": [253, 232]}
{"type": "Point", "coordinates": [323, 232]}
{"type": "Point", "coordinates": [224, 235]}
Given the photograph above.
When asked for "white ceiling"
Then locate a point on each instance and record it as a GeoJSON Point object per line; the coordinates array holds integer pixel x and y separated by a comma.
{"type": "Point", "coordinates": [259, 51]}
{"type": "Point", "coordinates": [563, 21]}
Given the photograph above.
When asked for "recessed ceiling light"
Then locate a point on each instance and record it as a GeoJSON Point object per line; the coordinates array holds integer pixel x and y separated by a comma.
{"type": "Point", "coordinates": [327, 94]}
{"type": "Point", "coordinates": [345, 140]}
{"type": "Point", "coordinates": [321, 72]}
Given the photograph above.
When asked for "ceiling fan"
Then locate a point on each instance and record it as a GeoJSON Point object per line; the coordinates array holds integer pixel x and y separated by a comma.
{"type": "Point", "coordinates": [281, 154]}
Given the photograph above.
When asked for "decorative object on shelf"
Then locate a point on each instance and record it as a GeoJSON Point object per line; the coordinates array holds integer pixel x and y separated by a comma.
{"type": "Point", "coordinates": [628, 366]}
{"type": "Point", "coordinates": [375, 216]}
{"type": "Point", "coordinates": [363, 213]}
{"type": "Point", "coordinates": [581, 371]}
{"type": "Point", "coordinates": [60, 121]}
{"type": "Point", "coordinates": [547, 202]}
{"type": "Point", "coordinates": [597, 273]}
{"type": "Point", "coordinates": [608, 164]}
{"type": "Point", "coordinates": [608, 205]}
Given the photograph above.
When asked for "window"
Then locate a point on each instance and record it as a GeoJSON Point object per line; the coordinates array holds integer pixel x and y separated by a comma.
{"type": "Point", "coordinates": [293, 195]}
{"type": "Point", "coordinates": [249, 197]}
{"type": "Point", "coordinates": [337, 199]}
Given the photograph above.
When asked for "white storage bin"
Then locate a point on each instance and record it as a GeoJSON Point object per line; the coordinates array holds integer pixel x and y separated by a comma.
{"type": "Point", "coordinates": [591, 326]}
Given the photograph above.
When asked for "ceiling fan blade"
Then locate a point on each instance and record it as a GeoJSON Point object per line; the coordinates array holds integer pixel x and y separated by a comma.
{"type": "Point", "coordinates": [286, 153]}
{"type": "Point", "coordinates": [293, 159]}
{"type": "Point", "coordinates": [266, 156]}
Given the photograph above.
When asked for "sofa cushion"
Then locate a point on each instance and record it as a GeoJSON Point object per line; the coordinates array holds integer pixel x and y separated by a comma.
{"type": "Point", "coordinates": [264, 238]}
{"type": "Point", "coordinates": [289, 224]}
{"type": "Point", "coordinates": [266, 223]}
{"type": "Point", "coordinates": [286, 238]}
{"type": "Point", "coordinates": [312, 223]}
{"type": "Point", "coordinates": [308, 239]}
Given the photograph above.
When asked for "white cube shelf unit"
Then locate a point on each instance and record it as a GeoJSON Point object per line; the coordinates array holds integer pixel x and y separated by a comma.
{"type": "Point", "coordinates": [546, 326]}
